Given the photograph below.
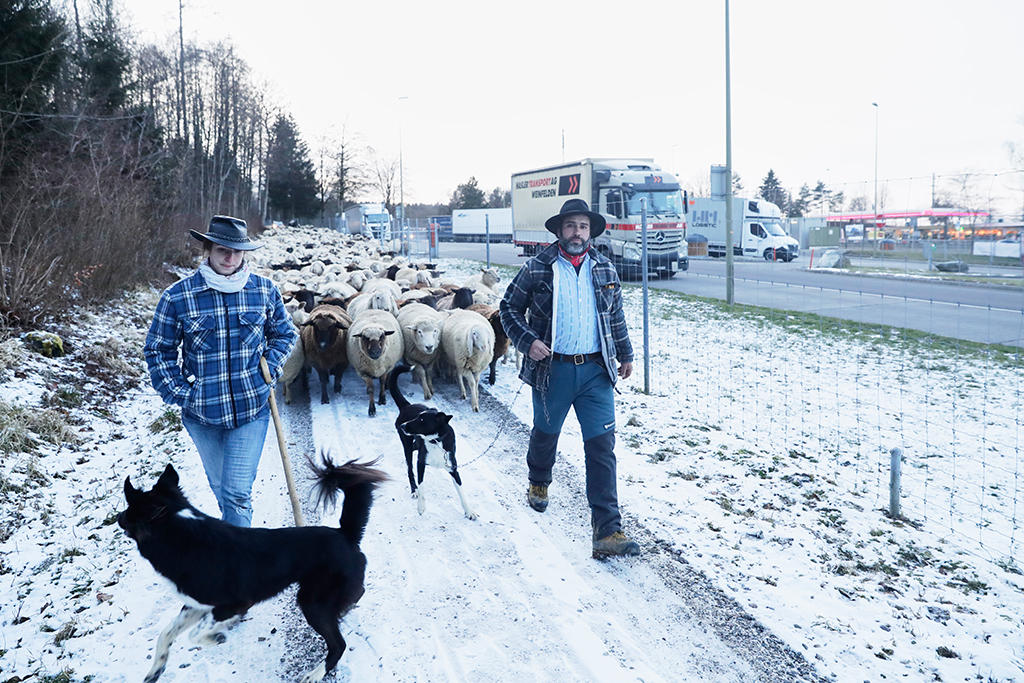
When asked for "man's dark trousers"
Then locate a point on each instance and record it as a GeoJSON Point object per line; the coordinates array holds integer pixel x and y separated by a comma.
{"type": "Point", "coordinates": [588, 390]}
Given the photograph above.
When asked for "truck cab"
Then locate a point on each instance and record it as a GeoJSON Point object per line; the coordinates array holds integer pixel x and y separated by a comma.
{"type": "Point", "coordinates": [763, 234]}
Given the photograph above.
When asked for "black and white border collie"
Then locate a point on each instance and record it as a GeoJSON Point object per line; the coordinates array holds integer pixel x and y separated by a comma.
{"type": "Point", "coordinates": [427, 432]}
{"type": "Point", "coordinates": [222, 570]}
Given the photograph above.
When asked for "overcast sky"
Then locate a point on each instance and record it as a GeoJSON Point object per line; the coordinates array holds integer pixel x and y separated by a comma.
{"type": "Point", "coordinates": [491, 86]}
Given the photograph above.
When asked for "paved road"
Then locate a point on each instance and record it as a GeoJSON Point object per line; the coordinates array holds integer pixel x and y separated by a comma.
{"type": "Point", "coordinates": [986, 314]}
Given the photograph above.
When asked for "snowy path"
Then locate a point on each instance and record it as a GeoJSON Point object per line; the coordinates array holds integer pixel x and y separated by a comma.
{"type": "Point", "coordinates": [514, 595]}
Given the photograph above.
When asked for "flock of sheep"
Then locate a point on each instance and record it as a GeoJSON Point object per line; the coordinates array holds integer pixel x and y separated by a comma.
{"type": "Point", "coordinates": [356, 304]}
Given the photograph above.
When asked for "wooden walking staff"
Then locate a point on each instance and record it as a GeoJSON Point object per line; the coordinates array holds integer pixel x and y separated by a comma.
{"type": "Point", "coordinates": [282, 446]}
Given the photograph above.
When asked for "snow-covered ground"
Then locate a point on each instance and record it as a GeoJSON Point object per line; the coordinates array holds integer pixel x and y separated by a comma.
{"type": "Point", "coordinates": [754, 474]}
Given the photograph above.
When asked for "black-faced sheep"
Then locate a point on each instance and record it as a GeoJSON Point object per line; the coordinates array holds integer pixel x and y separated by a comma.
{"type": "Point", "coordinates": [421, 329]}
{"type": "Point", "coordinates": [374, 348]}
{"type": "Point", "coordinates": [323, 343]}
{"type": "Point", "coordinates": [467, 341]}
{"type": "Point", "coordinates": [460, 298]}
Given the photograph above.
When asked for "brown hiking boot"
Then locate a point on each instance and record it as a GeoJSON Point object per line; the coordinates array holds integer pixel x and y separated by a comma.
{"type": "Point", "coordinates": [537, 497]}
{"type": "Point", "coordinates": [614, 545]}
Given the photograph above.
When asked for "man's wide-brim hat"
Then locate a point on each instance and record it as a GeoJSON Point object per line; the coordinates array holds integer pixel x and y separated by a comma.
{"type": "Point", "coordinates": [575, 207]}
{"type": "Point", "coordinates": [228, 232]}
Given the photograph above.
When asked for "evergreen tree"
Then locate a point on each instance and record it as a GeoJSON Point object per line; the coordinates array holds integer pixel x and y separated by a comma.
{"type": "Point", "coordinates": [468, 195]}
{"type": "Point", "coordinates": [291, 177]}
{"type": "Point", "coordinates": [771, 190]}
{"type": "Point", "coordinates": [798, 207]}
{"type": "Point", "coordinates": [499, 199]}
{"type": "Point", "coordinates": [32, 57]}
{"type": "Point", "coordinates": [737, 184]}
{"type": "Point", "coordinates": [105, 60]}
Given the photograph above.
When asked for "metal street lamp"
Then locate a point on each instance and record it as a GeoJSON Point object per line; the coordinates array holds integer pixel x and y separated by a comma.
{"type": "Point", "coordinates": [875, 209]}
{"type": "Point", "coordinates": [401, 178]}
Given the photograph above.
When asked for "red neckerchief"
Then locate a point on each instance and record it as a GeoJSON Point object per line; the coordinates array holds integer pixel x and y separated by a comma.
{"type": "Point", "coordinates": [576, 261]}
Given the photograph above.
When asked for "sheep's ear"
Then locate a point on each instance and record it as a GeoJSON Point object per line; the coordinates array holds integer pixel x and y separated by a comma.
{"type": "Point", "coordinates": [445, 418]}
{"type": "Point", "coordinates": [340, 326]}
{"type": "Point", "coordinates": [387, 332]}
{"type": "Point", "coordinates": [411, 328]}
{"type": "Point", "coordinates": [308, 322]}
{"type": "Point", "coordinates": [358, 335]}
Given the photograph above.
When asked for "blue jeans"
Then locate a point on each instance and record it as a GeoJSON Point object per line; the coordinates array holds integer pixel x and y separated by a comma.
{"type": "Point", "coordinates": [230, 458]}
{"type": "Point", "coordinates": [587, 390]}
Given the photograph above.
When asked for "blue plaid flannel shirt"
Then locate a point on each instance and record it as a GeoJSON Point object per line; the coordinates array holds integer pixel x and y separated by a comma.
{"type": "Point", "coordinates": [222, 337]}
{"type": "Point", "coordinates": [526, 311]}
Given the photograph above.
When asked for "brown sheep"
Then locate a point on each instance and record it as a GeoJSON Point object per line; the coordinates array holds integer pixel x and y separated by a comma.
{"type": "Point", "coordinates": [324, 345]}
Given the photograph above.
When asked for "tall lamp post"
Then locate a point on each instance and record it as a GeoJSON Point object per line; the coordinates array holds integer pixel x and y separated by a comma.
{"type": "Point", "coordinates": [401, 179]}
{"type": "Point", "coordinates": [730, 283]}
{"type": "Point", "coordinates": [874, 218]}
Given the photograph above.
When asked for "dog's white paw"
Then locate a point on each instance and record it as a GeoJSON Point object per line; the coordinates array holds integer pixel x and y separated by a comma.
{"type": "Point", "coordinates": [421, 502]}
{"type": "Point", "coordinates": [315, 674]}
{"type": "Point", "coordinates": [472, 515]}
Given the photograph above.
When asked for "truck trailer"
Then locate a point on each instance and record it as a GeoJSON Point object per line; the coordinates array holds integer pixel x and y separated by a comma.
{"type": "Point", "coordinates": [474, 225]}
{"type": "Point", "coordinates": [756, 224]}
{"type": "Point", "coordinates": [613, 188]}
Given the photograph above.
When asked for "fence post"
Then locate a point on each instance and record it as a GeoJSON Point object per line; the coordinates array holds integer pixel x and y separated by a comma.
{"type": "Point", "coordinates": [895, 466]}
{"type": "Point", "coordinates": [643, 271]}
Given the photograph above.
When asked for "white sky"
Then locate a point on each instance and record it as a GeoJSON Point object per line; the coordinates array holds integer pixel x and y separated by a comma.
{"type": "Point", "coordinates": [490, 87]}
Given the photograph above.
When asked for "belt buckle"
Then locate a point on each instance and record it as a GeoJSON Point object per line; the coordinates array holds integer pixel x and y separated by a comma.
{"type": "Point", "coordinates": [579, 359]}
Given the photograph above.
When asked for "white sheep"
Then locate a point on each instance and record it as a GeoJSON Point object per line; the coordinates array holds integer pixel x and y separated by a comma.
{"type": "Point", "coordinates": [421, 329]}
{"type": "Point", "coordinates": [468, 344]}
{"type": "Point", "coordinates": [375, 346]}
{"type": "Point", "coordinates": [486, 280]}
{"type": "Point", "coordinates": [382, 283]}
{"type": "Point", "coordinates": [380, 299]}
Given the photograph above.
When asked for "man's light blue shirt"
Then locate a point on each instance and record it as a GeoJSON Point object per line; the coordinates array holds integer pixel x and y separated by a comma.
{"type": "Point", "coordinates": [574, 318]}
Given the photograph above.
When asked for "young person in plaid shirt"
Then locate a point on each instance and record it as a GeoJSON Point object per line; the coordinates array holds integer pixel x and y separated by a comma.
{"type": "Point", "coordinates": [563, 310]}
{"type": "Point", "coordinates": [224, 319]}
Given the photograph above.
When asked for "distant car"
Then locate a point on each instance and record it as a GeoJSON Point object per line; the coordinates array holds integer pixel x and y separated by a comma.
{"type": "Point", "coordinates": [887, 244]}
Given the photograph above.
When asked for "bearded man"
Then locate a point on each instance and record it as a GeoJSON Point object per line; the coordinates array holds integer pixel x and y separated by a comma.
{"type": "Point", "coordinates": [563, 311]}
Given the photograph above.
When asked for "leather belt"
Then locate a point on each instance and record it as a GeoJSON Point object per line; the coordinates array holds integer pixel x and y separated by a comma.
{"type": "Point", "coordinates": [576, 358]}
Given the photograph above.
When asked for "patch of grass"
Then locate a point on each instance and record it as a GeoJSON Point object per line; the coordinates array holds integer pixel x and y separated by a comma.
{"type": "Point", "coordinates": [21, 429]}
{"type": "Point", "coordinates": [65, 397]}
{"type": "Point", "coordinates": [65, 632]}
{"type": "Point", "coordinates": [892, 339]}
{"type": "Point", "coordinates": [65, 676]}
{"type": "Point", "coordinates": [687, 476]}
{"type": "Point", "coordinates": [912, 556]}
{"type": "Point", "coordinates": [70, 553]}
{"type": "Point", "coordinates": [968, 585]}
{"type": "Point", "coordinates": [169, 421]}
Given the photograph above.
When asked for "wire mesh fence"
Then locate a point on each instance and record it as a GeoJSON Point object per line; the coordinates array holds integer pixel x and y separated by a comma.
{"type": "Point", "coordinates": [834, 397]}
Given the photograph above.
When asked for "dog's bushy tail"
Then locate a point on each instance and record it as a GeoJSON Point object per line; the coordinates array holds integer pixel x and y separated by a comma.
{"type": "Point", "coordinates": [396, 393]}
{"type": "Point", "coordinates": [357, 481]}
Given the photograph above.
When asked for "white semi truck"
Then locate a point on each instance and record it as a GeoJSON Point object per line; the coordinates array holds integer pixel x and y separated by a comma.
{"type": "Point", "coordinates": [756, 224]}
{"type": "Point", "coordinates": [613, 188]}
{"type": "Point", "coordinates": [372, 220]}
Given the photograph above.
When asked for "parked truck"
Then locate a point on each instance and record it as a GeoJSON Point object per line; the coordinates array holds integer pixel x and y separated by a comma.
{"type": "Point", "coordinates": [756, 224]}
{"type": "Point", "coordinates": [473, 225]}
{"type": "Point", "coordinates": [613, 188]}
{"type": "Point", "coordinates": [372, 220]}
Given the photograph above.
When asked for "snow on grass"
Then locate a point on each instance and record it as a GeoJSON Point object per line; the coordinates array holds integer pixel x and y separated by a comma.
{"type": "Point", "coordinates": [761, 456]}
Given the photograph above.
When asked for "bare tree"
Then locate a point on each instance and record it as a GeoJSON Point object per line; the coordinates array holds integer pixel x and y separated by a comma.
{"type": "Point", "coordinates": [385, 180]}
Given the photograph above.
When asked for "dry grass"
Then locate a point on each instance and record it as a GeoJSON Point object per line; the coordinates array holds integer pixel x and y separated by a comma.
{"type": "Point", "coordinates": [22, 429]}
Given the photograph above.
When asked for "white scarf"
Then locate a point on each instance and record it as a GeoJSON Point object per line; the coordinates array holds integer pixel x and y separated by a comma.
{"type": "Point", "coordinates": [229, 284]}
